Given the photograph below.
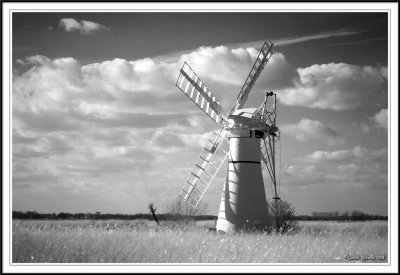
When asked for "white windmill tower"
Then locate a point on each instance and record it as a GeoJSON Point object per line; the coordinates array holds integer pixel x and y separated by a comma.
{"type": "Point", "coordinates": [248, 137]}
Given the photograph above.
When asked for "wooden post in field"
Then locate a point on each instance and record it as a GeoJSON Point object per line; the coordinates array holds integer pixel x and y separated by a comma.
{"type": "Point", "coordinates": [153, 212]}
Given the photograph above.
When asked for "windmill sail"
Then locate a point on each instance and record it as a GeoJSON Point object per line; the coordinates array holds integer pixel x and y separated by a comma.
{"type": "Point", "coordinates": [206, 168]}
{"type": "Point", "coordinates": [191, 85]}
{"type": "Point", "coordinates": [262, 59]}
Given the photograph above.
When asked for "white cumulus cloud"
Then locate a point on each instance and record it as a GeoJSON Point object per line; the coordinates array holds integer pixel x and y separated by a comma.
{"type": "Point", "coordinates": [361, 167]}
{"type": "Point", "coordinates": [381, 118]}
{"type": "Point", "coordinates": [307, 129]}
{"type": "Point", "coordinates": [84, 26]}
{"type": "Point", "coordinates": [357, 152]}
{"type": "Point", "coordinates": [337, 86]}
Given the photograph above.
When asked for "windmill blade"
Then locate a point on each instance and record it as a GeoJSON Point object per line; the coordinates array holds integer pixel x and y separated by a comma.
{"type": "Point", "coordinates": [262, 59]}
{"type": "Point", "coordinates": [191, 85]}
{"type": "Point", "coordinates": [206, 168]}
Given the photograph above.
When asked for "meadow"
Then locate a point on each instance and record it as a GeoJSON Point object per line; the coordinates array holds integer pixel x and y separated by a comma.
{"type": "Point", "coordinates": [142, 241]}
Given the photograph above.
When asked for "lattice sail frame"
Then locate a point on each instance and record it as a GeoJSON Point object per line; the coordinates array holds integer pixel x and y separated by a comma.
{"type": "Point", "coordinates": [261, 61]}
{"type": "Point", "coordinates": [206, 168]}
{"type": "Point", "coordinates": [191, 85]}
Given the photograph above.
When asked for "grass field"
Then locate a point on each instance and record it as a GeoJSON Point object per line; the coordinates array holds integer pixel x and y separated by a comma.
{"type": "Point", "coordinates": [141, 241]}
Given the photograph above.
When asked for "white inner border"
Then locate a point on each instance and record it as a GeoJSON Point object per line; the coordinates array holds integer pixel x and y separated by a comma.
{"type": "Point", "coordinates": [391, 8]}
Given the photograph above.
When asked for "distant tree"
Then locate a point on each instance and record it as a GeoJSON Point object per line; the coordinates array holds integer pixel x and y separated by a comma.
{"type": "Point", "coordinates": [284, 214]}
{"type": "Point", "coordinates": [336, 214]}
{"type": "Point", "coordinates": [182, 210]}
{"type": "Point", "coordinates": [64, 216]}
{"type": "Point", "coordinates": [79, 216]}
{"type": "Point", "coordinates": [344, 216]}
{"type": "Point", "coordinates": [358, 215]}
{"type": "Point", "coordinates": [33, 215]}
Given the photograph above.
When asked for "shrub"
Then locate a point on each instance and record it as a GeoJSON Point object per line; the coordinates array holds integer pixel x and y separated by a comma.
{"type": "Point", "coordinates": [183, 211]}
{"type": "Point", "coordinates": [284, 216]}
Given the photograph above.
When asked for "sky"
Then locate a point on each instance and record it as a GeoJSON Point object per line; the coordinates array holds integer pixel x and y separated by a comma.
{"type": "Point", "coordinates": [98, 124]}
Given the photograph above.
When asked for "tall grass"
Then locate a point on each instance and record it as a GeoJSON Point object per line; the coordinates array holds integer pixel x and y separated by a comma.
{"type": "Point", "coordinates": [143, 242]}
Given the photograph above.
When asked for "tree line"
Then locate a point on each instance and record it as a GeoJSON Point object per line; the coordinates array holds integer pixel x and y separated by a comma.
{"type": "Point", "coordinates": [326, 216]}
{"type": "Point", "coordinates": [33, 215]}
{"type": "Point", "coordinates": [344, 216]}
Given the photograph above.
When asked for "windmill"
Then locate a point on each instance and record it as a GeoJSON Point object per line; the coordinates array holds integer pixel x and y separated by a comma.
{"type": "Point", "coordinates": [247, 138]}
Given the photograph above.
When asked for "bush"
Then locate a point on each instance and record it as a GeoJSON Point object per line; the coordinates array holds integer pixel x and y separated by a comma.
{"type": "Point", "coordinates": [183, 211]}
{"type": "Point", "coordinates": [284, 214]}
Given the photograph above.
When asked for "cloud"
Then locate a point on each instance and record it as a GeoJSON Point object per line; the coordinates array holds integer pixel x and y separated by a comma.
{"type": "Point", "coordinates": [299, 39]}
{"type": "Point", "coordinates": [357, 153]}
{"type": "Point", "coordinates": [97, 88]}
{"type": "Point", "coordinates": [225, 64]}
{"type": "Point", "coordinates": [381, 119]}
{"type": "Point", "coordinates": [19, 138]}
{"type": "Point", "coordinates": [224, 71]}
{"type": "Point", "coordinates": [337, 86]}
{"type": "Point", "coordinates": [63, 84]}
{"type": "Point", "coordinates": [322, 35]}
{"type": "Point", "coordinates": [167, 140]}
{"type": "Point", "coordinates": [135, 120]}
{"type": "Point", "coordinates": [79, 129]}
{"type": "Point", "coordinates": [377, 122]}
{"type": "Point", "coordinates": [84, 27]}
{"type": "Point", "coordinates": [359, 167]}
{"type": "Point", "coordinates": [307, 129]}
{"type": "Point", "coordinates": [333, 86]}
{"type": "Point", "coordinates": [46, 121]}
{"type": "Point", "coordinates": [231, 66]}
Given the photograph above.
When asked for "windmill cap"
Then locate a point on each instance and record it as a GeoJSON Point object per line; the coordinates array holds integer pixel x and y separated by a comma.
{"type": "Point", "coordinates": [242, 117]}
{"type": "Point", "coordinates": [246, 112]}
